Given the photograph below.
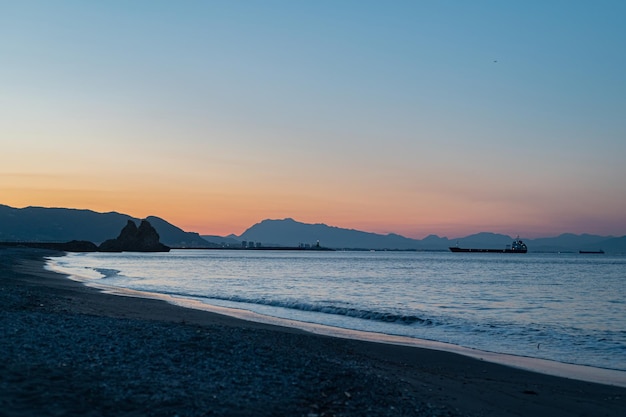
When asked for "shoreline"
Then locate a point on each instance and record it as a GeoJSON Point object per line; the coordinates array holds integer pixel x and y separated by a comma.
{"type": "Point", "coordinates": [587, 373]}
{"type": "Point", "coordinates": [80, 349]}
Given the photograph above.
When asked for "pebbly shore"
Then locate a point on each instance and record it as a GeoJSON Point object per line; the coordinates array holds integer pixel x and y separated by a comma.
{"type": "Point", "coordinates": [70, 350]}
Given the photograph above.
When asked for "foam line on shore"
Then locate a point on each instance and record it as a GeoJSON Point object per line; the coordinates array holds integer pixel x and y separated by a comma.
{"type": "Point", "coordinates": [547, 367]}
{"type": "Point", "coordinates": [584, 373]}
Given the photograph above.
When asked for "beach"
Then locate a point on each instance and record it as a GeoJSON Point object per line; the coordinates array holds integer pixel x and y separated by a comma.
{"type": "Point", "coordinates": [69, 349]}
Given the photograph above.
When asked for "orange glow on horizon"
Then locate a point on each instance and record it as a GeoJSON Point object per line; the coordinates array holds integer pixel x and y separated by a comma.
{"type": "Point", "coordinates": [225, 215]}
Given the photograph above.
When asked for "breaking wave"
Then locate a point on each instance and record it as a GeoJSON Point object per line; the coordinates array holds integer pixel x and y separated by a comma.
{"type": "Point", "coordinates": [385, 317]}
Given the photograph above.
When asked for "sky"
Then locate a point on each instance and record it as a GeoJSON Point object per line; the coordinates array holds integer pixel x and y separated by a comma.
{"type": "Point", "coordinates": [411, 117]}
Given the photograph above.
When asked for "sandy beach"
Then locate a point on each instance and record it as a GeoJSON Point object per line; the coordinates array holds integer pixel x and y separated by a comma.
{"type": "Point", "coordinates": [68, 349]}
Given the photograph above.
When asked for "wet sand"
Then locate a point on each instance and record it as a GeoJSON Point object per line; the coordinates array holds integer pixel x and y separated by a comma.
{"type": "Point", "coordinates": [68, 349]}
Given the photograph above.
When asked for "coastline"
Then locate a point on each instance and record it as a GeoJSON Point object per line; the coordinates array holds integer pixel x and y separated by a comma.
{"type": "Point", "coordinates": [72, 349]}
{"type": "Point", "coordinates": [543, 366]}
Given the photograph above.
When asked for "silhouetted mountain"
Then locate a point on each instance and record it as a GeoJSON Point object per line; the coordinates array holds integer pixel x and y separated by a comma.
{"type": "Point", "coordinates": [483, 240]}
{"type": "Point", "coordinates": [435, 242]}
{"type": "Point", "coordinates": [289, 232]}
{"type": "Point", "coordinates": [40, 224]}
{"type": "Point", "coordinates": [610, 245]}
{"type": "Point", "coordinates": [568, 242]}
{"type": "Point", "coordinates": [170, 233]}
{"type": "Point", "coordinates": [491, 238]}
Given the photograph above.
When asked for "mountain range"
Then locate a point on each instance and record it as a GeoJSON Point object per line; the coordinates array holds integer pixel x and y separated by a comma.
{"type": "Point", "coordinates": [288, 232]}
{"type": "Point", "coordinates": [41, 224]}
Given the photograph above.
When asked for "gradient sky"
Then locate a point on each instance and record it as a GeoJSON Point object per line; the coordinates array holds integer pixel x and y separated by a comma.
{"type": "Point", "coordinates": [411, 117]}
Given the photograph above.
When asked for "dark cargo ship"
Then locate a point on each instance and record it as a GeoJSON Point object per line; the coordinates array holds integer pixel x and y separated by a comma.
{"type": "Point", "coordinates": [516, 247]}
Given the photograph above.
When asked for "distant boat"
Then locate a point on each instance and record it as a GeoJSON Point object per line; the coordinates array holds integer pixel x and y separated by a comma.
{"type": "Point", "coordinates": [591, 251]}
{"type": "Point", "coordinates": [516, 247]}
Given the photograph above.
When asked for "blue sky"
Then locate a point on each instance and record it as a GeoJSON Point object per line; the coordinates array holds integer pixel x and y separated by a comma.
{"type": "Point", "coordinates": [416, 117]}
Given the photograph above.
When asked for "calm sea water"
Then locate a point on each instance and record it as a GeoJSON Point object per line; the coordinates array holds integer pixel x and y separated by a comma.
{"type": "Point", "coordinates": [569, 308]}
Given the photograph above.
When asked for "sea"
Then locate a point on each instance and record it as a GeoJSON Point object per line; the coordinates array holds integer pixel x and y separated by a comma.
{"type": "Point", "coordinates": [544, 309]}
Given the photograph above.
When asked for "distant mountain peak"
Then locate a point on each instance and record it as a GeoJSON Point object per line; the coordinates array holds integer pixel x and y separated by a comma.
{"type": "Point", "coordinates": [289, 232]}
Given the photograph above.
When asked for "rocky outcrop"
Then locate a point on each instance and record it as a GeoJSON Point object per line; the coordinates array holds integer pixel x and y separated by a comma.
{"type": "Point", "coordinates": [135, 239]}
{"type": "Point", "coordinates": [79, 246]}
